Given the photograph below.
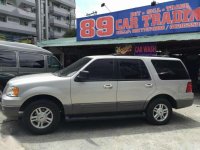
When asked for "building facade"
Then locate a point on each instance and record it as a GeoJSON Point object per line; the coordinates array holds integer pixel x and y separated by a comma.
{"type": "Point", "coordinates": [18, 19]}
{"type": "Point", "coordinates": [62, 17]}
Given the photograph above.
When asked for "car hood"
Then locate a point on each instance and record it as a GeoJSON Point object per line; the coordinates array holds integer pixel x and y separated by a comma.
{"type": "Point", "coordinates": [35, 78]}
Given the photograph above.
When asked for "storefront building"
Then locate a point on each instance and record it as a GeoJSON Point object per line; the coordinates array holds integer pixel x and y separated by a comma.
{"type": "Point", "coordinates": [169, 29]}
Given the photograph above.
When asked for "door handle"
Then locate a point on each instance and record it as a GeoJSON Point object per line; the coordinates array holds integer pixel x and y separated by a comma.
{"type": "Point", "coordinates": [108, 86]}
{"type": "Point", "coordinates": [149, 85]}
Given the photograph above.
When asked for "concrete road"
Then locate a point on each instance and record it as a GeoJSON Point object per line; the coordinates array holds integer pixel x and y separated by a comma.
{"type": "Point", "coordinates": [182, 133]}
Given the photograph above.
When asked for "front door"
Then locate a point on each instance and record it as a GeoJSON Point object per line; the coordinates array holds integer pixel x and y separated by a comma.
{"type": "Point", "coordinates": [97, 93]}
{"type": "Point", "coordinates": [134, 86]}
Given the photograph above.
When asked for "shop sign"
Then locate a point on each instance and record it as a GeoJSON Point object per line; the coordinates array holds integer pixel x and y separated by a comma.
{"type": "Point", "coordinates": [148, 49]}
{"type": "Point", "coordinates": [165, 18]}
{"type": "Point", "coordinates": [124, 50]}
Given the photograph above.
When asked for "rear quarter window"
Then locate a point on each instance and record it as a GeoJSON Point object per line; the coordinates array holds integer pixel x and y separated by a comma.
{"type": "Point", "coordinates": [170, 70]}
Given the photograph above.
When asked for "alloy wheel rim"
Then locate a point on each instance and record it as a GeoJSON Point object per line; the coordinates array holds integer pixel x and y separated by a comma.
{"type": "Point", "coordinates": [160, 112]}
{"type": "Point", "coordinates": [41, 117]}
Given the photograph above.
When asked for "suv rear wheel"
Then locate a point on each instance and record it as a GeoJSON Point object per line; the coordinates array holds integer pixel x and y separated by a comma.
{"type": "Point", "coordinates": [41, 117]}
{"type": "Point", "coordinates": [159, 111]}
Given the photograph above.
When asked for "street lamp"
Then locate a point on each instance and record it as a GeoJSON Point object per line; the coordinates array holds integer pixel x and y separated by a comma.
{"type": "Point", "coordinates": [104, 5]}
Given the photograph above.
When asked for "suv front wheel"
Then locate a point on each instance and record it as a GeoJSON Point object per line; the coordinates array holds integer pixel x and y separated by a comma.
{"type": "Point", "coordinates": [41, 117]}
{"type": "Point", "coordinates": [159, 111]}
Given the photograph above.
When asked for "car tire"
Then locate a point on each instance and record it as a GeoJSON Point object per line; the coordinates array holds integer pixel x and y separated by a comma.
{"type": "Point", "coordinates": [41, 117]}
{"type": "Point", "coordinates": [159, 111]}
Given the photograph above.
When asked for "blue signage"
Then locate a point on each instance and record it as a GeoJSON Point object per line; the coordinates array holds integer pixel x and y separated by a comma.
{"type": "Point", "coordinates": [165, 18]}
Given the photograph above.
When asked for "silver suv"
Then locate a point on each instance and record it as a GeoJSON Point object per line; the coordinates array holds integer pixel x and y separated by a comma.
{"type": "Point", "coordinates": [100, 85]}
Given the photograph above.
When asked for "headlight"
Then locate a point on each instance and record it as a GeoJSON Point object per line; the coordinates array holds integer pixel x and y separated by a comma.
{"type": "Point", "coordinates": [12, 91]}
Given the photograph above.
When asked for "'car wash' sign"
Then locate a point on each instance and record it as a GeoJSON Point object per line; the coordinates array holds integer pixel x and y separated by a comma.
{"type": "Point", "coordinates": [148, 49]}
{"type": "Point", "coordinates": [171, 17]}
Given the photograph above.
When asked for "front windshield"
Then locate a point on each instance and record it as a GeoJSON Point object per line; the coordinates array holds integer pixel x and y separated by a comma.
{"type": "Point", "coordinates": [73, 68]}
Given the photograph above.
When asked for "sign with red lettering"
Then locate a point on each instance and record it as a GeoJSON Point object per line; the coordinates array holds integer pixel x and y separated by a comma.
{"type": "Point", "coordinates": [165, 18]}
{"type": "Point", "coordinates": [148, 49]}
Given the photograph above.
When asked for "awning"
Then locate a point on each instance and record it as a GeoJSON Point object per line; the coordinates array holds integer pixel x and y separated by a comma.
{"type": "Point", "coordinates": [70, 42]}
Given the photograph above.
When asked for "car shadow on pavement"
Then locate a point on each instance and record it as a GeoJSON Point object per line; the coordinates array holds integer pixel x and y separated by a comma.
{"type": "Point", "coordinates": [87, 129]}
{"type": "Point", "coordinates": [197, 100]}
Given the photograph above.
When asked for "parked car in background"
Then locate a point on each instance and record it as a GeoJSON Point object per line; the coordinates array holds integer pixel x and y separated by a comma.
{"type": "Point", "coordinates": [20, 59]}
{"type": "Point", "coordinates": [100, 85]}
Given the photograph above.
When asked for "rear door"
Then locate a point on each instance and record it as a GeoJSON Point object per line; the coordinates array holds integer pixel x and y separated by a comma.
{"type": "Point", "coordinates": [134, 85]}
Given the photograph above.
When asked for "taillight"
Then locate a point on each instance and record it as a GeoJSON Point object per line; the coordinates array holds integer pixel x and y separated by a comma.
{"type": "Point", "coordinates": [189, 87]}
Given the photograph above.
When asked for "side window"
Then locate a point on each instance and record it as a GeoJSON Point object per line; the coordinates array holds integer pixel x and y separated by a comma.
{"type": "Point", "coordinates": [28, 60]}
{"type": "Point", "coordinates": [170, 70]}
{"type": "Point", "coordinates": [53, 62]}
{"type": "Point", "coordinates": [133, 69]}
{"type": "Point", "coordinates": [7, 59]}
{"type": "Point", "coordinates": [101, 70]}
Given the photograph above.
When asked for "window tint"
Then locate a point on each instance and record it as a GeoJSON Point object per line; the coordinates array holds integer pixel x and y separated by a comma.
{"type": "Point", "coordinates": [170, 70]}
{"type": "Point", "coordinates": [28, 60]}
{"type": "Point", "coordinates": [133, 69]}
{"type": "Point", "coordinates": [53, 62]}
{"type": "Point", "coordinates": [7, 59]}
{"type": "Point", "coordinates": [101, 70]}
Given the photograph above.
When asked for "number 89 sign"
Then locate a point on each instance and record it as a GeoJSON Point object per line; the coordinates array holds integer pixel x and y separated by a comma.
{"type": "Point", "coordinates": [101, 27]}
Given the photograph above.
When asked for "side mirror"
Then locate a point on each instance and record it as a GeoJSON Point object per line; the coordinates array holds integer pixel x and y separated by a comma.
{"type": "Point", "coordinates": [82, 76]}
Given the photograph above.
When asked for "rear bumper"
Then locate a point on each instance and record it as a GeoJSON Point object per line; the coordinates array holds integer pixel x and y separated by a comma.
{"type": "Point", "coordinates": [184, 103]}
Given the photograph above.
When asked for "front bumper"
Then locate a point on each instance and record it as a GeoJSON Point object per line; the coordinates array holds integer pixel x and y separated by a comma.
{"type": "Point", "coordinates": [10, 106]}
{"type": "Point", "coordinates": [10, 112]}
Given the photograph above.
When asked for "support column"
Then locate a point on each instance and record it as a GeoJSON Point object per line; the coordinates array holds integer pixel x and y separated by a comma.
{"type": "Point", "coordinates": [38, 20]}
{"type": "Point", "coordinates": [46, 20]}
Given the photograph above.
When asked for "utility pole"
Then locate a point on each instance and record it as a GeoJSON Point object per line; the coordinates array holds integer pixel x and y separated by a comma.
{"type": "Point", "coordinates": [42, 20]}
{"type": "Point", "coordinates": [46, 20]}
{"type": "Point", "coordinates": [38, 20]}
{"type": "Point", "coordinates": [70, 21]}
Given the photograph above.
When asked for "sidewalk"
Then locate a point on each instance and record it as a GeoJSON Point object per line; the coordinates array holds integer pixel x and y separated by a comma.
{"type": "Point", "coordinates": [9, 143]}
